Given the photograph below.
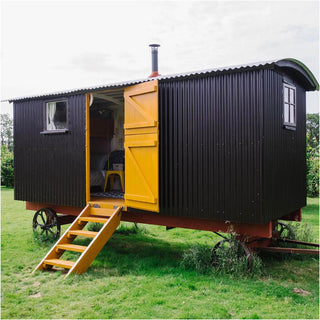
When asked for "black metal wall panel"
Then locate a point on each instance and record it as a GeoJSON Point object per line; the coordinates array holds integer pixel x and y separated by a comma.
{"type": "Point", "coordinates": [210, 147]}
{"type": "Point", "coordinates": [284, 179]}
{"type": "Point", "coordinates": [50, 168]}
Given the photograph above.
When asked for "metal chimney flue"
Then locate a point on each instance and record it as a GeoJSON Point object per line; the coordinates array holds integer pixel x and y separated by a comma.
{"type": "Point", "coordinates": [154, 60]}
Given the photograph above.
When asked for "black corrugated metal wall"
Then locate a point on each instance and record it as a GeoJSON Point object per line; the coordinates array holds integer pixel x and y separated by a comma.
{"type": "Point", "coordinates": [224, 153]}
{"type": "Point", "coordinates": [50, 168]}
{"type": "Point", "coordinates": [284, 179]}
{"type": "Point", "coordinates": [210, 147]}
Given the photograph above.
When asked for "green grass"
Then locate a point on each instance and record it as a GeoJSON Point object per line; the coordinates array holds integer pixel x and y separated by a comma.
{"type": "Point", "coordinates": [139, 275]}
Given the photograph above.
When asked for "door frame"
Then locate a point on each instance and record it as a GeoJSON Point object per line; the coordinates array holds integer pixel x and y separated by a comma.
{"type": "Point", "coordinates": [87, 128]}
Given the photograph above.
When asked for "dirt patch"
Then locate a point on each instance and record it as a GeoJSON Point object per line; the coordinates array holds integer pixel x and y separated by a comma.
{"type": "Point", "coordinates": [301, 292]}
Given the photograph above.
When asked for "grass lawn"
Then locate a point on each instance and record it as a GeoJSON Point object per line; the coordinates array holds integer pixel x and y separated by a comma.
{"type": "Point", "coordinates": [139, 276]}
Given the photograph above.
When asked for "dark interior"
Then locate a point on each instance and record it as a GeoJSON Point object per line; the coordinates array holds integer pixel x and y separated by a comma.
{"type": "Point", "coordinates": [106, 146]}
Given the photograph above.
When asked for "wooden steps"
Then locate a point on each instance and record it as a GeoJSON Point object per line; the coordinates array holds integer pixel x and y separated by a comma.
{"type": "Point", "coordinates": [94, 219]}
{"type": "Point", "coordinates": [71, 247]}
{"type": "Point", "coordinates": [59, 263]}
{"type": "Point", "coordinates": [110, 218]}
{"type": "Point", "coordinates": [102, 212]}
{"type": "Point", "coordinates": [83, 233]}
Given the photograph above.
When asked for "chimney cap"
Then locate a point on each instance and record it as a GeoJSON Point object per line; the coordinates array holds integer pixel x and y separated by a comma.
{"type": "Point", "coordinates": [154, 45]}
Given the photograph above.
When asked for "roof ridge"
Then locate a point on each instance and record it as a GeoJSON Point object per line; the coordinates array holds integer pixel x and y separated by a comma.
{"type": "Point", "coordinates": [173, 76]}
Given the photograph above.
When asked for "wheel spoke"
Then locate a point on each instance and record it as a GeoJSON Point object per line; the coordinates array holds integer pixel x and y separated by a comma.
{"type": "Point", "coordinates": [42, 217]}
{"type": "Point", "coordinates": [48, 216]}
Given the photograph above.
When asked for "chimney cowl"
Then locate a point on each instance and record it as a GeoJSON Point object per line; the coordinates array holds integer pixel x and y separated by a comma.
{"type": "Point", "coordinates": [154, 60]}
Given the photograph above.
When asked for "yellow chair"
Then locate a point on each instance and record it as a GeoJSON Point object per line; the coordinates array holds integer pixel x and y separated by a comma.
{"type": "Point", "coordinates": [111, 174]}
{"type": "Point", "coordinates": [116, 156]}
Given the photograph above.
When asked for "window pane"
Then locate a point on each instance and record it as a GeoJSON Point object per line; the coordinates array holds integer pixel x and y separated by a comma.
{"type": "Point", "coordinates": [286, 94]}
{"type": "Point", "coordinates": [51, 107]}
{"type": "Point", "coordinates": [292, 96]}
{"type": "Point", "coordinates": [286, 113]}
{"type": "Point", "coordinates": [56, 115]}
{"type": "Point", "coordinates": [292, 114]}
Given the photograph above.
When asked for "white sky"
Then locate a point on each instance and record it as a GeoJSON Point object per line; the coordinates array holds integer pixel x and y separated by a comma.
{"type": "Point", "coordinates": [51, 46]}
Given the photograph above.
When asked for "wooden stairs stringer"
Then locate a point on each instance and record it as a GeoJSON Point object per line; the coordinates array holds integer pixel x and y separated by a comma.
{"type": "Point", "coordinates": [110, 219]}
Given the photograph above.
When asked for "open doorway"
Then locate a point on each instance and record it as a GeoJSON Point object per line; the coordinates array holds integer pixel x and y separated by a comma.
{"type": "Point", "coordinates": [107, 167]}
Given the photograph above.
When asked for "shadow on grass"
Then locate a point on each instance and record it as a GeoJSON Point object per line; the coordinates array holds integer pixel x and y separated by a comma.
{"type": "Point", "coordinates": [139, 254]}
{"type": "Point", "coordinates": [142, 254]}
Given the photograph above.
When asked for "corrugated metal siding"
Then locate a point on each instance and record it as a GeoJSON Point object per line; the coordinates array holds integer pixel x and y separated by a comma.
{"type": "Point", "coordinates": [210, 147]}
{"type": "Point", "coordinates": [284, 152]}
{"type": "Point", "coordinates": [50, 168]}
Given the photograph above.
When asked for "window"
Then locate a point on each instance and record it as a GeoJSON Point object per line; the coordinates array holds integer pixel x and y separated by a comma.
{"type": "Point", "coordinates": [56, 116]}
{"type": "Point", "coordinates": [289, 105]}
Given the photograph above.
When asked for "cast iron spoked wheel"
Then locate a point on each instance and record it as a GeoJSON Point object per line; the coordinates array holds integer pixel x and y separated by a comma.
{"type": "Point", "coordinates": [240, 249]}
{"type": "Point", "coordinates": [46, 225]}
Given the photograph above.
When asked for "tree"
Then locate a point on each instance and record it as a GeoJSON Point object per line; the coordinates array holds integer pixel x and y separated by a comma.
{"type": "Point", "coordinates": [6, 131]}
{"type": "Point", "coordinates": [313, 155]}
{"type": "Point", "coordinates": [7, 171]}
{"type": "Point", "coordinates": [6, 128]}
{"type": "Point", "coordinates": [313, 130]}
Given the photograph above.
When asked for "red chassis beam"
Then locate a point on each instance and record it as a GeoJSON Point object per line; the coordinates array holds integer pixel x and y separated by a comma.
{"type": "Point", "coordinates": [35, 206]}
{"type": "Point", "coordinates": [243, 229]}
{"type": "Point", "coordinates": [293, 216]}
{"type": "Point", "coordinates": [287, 250]}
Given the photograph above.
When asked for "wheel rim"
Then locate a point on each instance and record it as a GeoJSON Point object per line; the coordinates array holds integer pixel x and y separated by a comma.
{"type": "Point", "coordinates": [46, 225]}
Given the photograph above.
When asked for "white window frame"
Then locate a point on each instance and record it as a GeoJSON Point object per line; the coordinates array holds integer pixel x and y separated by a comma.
{"type": "Point", "coordinates": [289, 105]}
{"type": "Point", "coordinates": [48, 125]}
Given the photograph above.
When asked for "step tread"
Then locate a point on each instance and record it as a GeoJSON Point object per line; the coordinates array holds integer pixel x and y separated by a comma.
{"type": "Point", "coordinates": [71, 247]}
{"type": "Point", "coordinates": [103, 205]}
{"type": "Point", "coordinates": [99, 219]}
{"type": "Point", "coordinates": [60, 263]}
{"type": "Point", "coordinates": [83, 233]}
{"type": "Point", "coordinates": [104, 212]}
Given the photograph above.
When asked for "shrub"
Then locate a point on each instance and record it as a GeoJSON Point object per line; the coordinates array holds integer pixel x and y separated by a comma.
{"type": "Point", "coordinates": [197, 258]}
{"type": "Point", "coordinates": [304, 232]}
{"type": "Point", "coordinates": [94, 226]}
{"type": "Point", "coordinates": [295, 231]}
{"type": "Point", "coordinates": [230, 258]}
{"type": "Point", "coordinates": [298, 231]}
{"type": "Point", "coordinates": [312, 158]}
{"type": "Point", "coordinates": [312, 175]}
{"type": "Point", "coordinates": [130, 228]}
{"type": "Point", "coordinates": [227, 259]}
{"type": "Point", "coordinates": [7, 172]}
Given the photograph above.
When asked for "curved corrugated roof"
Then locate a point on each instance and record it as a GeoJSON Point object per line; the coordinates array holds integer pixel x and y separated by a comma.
{"type": "Point", "coordinates": [309, 79]}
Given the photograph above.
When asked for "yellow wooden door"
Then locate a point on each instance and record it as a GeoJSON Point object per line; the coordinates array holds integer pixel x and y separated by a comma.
{"type": "Point", "coordinates": [141, 146]}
